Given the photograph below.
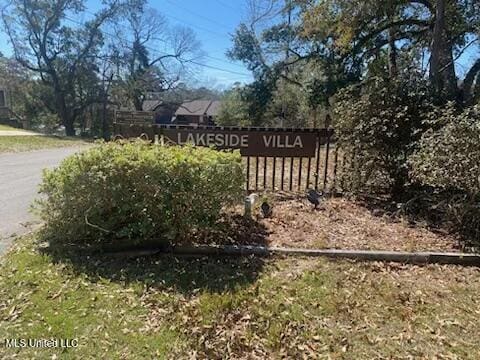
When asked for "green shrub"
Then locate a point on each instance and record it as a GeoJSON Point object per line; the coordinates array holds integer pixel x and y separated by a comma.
{"type": "Point", "coordinates": [448, 154]}
{"type": "Point", "coordinates": [377, 125]}
{"type": "Point", "coordinates": [137, 192]}
{"type": "Point", "coordinates": [448, 159]}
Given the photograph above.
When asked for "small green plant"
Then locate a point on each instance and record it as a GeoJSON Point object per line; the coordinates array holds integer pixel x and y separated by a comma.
{"type": "Point", "coordinates": [138, 192]}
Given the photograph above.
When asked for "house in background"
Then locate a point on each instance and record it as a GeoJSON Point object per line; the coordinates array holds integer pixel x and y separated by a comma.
{"type": "Point", "coordinates": [7, 115]}
{"type": "Point", "coordinates": [4, 105]}
{"type": "Point", "coordinates": [3, 97]}
{"type": "Point", "coordinates": [163, 112]}
{"type": "Point", "coordinates": [197, 112]}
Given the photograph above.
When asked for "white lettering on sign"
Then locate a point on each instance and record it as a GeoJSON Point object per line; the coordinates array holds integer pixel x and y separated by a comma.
{"type": "Point", "coordinates": [280, 141]}
{"type": "Point", "coordinates": [211, 139]}
{"type": "Point", "coordinates": [219, 140]}
{"type": "Point", "coordinates": [234, 140]}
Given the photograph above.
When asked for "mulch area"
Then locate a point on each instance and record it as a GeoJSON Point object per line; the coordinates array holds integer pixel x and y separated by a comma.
{"type": "Point", "coordinates": [338, 224]}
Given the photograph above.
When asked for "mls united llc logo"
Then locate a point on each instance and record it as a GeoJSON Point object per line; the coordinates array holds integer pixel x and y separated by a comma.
{"type": "Point", "coordinates": [41, 343]}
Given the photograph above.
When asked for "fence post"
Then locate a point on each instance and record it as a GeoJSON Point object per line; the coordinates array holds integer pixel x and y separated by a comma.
{"type": "Point", "coordinates": [256, 173]}
{"type": "Point", "coordinates": [248, 173]}
{"type": "Point", "coordinates": [326, 161]}
{"type": "Point", "coordinates": [273, 172]}
{"type": "Point", "coordinates": [300, 165]}
{"type": "Point", "coordinates": [309, 166]}
{"type": "Point", "coordinates": [317, 173]}
{"type": "Point", "coordinates": [265, 173]}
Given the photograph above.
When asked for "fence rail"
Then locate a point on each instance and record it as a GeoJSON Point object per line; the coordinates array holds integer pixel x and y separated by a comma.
{"type": "Point", "coordinates": [290, 159]}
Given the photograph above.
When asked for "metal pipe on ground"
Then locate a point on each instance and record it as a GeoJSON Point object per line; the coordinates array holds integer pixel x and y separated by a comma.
{"type": "Point", "coordinates": [419, 258]}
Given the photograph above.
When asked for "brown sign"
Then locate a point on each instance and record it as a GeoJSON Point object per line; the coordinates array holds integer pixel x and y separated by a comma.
{"type": "Point", "coordinates": [133, 117]}
{"type": "Point", "coordinates": [251, 143]}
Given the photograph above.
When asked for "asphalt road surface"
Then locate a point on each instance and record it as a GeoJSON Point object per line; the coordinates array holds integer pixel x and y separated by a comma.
{"type": "Point", "coordinates": [20, 174]}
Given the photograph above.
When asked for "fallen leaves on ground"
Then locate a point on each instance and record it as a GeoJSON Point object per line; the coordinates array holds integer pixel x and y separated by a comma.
{"type": "Point", "coordinates": [338, 224]}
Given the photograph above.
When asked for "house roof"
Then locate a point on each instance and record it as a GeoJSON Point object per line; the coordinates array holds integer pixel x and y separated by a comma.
{"type": "Point", "coordinates": [199, 108]}
{"type": "Point", "coordinates": [151, 105]}
{"type": "Point", "coordinates": [214, 108]}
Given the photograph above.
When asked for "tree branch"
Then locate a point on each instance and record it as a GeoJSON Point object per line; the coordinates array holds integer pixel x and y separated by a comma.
{"type": "Point", "coordinates": [469, 79]}
{"type": "Point", "coordinates": [425, 3]}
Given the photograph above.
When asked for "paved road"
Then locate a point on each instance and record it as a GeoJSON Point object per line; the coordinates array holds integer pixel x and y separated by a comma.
{"type": "Point", "coordinates": [20, 174]}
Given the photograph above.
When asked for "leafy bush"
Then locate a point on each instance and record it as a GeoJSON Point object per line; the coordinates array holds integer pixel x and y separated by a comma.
{"type": "Point", "coordinates": [448, 158]}
{"type": "Point", "coordinates": [138, 192]}
{"type": "Point", "coordinates": [377, 126]}
{"type": "Point", "coordinates": [448, 154]}
{"type": "Point", "coordinates": [233, 110]}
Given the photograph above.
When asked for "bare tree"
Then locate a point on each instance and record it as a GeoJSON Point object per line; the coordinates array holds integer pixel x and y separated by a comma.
{"type": "Point", "coordinates": [154, 55]}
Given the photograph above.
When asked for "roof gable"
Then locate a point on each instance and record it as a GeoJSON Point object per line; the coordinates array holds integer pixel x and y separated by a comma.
{"type": "Point", "coordinates": [196, 107]}
{"type": "Point", "coordinates": [151, 105]}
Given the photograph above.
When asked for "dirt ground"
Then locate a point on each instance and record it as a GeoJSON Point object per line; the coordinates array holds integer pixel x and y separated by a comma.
{"type": "Point", "coordinates": [337, 224]}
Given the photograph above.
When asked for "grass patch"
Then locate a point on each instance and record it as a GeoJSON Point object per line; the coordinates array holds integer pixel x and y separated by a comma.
{"type": "Point", "coordinates": [8, 128]}
{"type": "Point", "coordinates": [28, 143]}
{"type": "Point", "coordinates": [164, 306]}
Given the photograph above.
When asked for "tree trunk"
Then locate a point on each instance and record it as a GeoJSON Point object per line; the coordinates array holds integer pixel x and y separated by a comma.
{"type": "Point", "coordinates": [105, 127]}
{"type": "Point", "coordinates": [468, 92]}
{"type": "Point", "coordinates": [392, 54]}
{"type": "Point", "coordinates": [66, 118]}
{"type": "Point", "coordinates": [392, 49]}
{"type": "Point", "coordinates": [69, 128]}
{"type": "Point", "coordinates": [442, 67]}
{"type": "Point", "coordinates": [476, 90]}
{"type": "Point", "coordinates": [105, 122]}
{"type": "Point", "coordinates": [137, 103]}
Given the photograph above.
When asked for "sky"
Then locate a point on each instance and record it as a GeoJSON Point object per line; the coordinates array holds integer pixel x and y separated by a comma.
{"type": "Point", "coordinates": [213, 22]}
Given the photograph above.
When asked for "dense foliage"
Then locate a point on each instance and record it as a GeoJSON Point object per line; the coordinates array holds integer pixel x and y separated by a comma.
{"type": "Point", "coordinates": [138, 192]}
{"type": "Point", "coordinates": [448, 159]}
{"type": "Point", "coordinates": [449, 156]}
{"type": "Point", "coordinates": [320, 47]}
{"type": "Point", "coordinates": [377, 125]}
{"type": "Point", "coordinates": [234, 110]}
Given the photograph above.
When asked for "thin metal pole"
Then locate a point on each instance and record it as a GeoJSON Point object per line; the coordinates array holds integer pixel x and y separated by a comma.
{"type": "Point", "coordinates": [317, 173]}
{"type": "Point", "coordinates": [248, 173]}
{"type": "Point", "coordinates": [300, 173]}
{"type": "Point", "coordinates": [291, 174]}
{"type": "Point", "coordinates": [256, 173]}
{"type": "Point", "coordinates": [308, 170]}
{"type": "Point", "coordinates": [273, 172]}
{"type": "Point", "coordinates": [264, 173]}
{"type": "Point", "coordinates": [326, 163]}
